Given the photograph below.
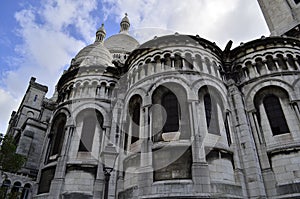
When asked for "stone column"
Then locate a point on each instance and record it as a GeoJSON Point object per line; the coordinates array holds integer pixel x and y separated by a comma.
{"type": "Point", "coordinates": [99, 182]}
{"type": "Point", "coordinates": [120, 175]}
{"type": "Point", "coordinates": [183, 63]}
{"type": "Point", "coordinates": [57, 182]}
{"type": "Point", "coordinates": [200, 171]}
{"type": "Point", "coordinates": [255, 70]}
{"type": "Point", "coordinates": [296, 63]}
{"type": "Point", "coordinates": [267, 173]}
{"type": "Point", "coordinates": [145, 175]}
{"type": "Point", "coordinates": [172, 58]}
{"type": "Point", "coordinates": [248, 151]}
{"type": "Point", "coordinates": [151, 67]}
{"type": "Point", "coordinates": [238, 171]}
{"type": "Point", "coordinates": [205, 66]}
{"type": "Point", "coordinates": [276, 65]}
{"type": "Point", "coordinates": [296, 108]}
{"type": "Point", "coordinates": [265, 65]}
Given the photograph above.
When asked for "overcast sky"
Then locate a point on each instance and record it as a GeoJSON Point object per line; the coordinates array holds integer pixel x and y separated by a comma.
{"type": "Point", "coordinates": [39, 38]}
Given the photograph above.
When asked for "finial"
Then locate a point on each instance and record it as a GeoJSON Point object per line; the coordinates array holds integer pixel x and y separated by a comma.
{"type": "Point", "coordinates": [125, 24]}
{"type": "Point", "coordinates": [100, 34]}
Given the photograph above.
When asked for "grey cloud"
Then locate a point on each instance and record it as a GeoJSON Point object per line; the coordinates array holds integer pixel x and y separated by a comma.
{"type": "Point", "coordinates": [47, 47]}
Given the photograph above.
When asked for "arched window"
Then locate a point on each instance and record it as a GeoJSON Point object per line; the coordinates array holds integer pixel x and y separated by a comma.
{"type": "Point", "coordinates": [170, 104]}
{"type": "Point", "coordinates": [207, 105]}
{"type": "Point", "coordinates": [134, 111]}
{"type": "Point", "coordinates": [15, 189]}
{"type": "Point", "coordinates": [275, 115]}
{"type": "Point", "coordinates": [60, 130]}
{"type": "Point", "coordinates": [90, 119]}
{"type": "Point", "coordinates": [26, 191]}
{"type": "Point", "coordinates": [56, 137]}
{"type": "Point", "coordinates": [88, 130]}
{"type": "Point", "coordinates": [211, 114]}
{"type": "Point", "coordinates": [212, 109]}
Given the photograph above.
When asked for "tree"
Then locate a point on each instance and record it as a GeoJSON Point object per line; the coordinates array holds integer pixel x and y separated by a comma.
{"type": "Point", "coordinates": [9, 160]}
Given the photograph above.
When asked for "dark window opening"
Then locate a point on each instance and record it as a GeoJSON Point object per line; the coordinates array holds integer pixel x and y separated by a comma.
{"type": "Point", "coordinates": [297, 1]}
{"type": "Point", "coordinates": [35, 98]}
{"type": "Point", "coordinates": [125, 141]}
{"type": "Point", "coordinates": [25, 191]}
{"type": "Point", "coordinates": [15, 189]}
{"type": "Point", "coordinates": [275, 115]}
{"type": "Point", "coordinates": [171, 106]}
{"type": "Point", "coordinates": [208, 109]}
{"type": "Point", "coordinates": [135, 123]}
{"type": "Point", "coordinates": [17, 138]}
{"type": "Point", "coordinates": [87, 136]}
{"type": "Point", "coordinates": [211, 115]}
{"type": "Point", "coordinates": [226, 124]}
{"type": "Point", "coordinates": [56, 137]}
{"type": "Point", "coordinates": [133, 127]}
{"type": "Point", "coordinates": [47, 176]}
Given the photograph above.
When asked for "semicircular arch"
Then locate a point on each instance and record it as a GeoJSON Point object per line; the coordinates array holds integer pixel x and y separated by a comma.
{"type": "Point", "coordinates": [102, 110]}
{"type": "Point", "coordinates": [249, 96]}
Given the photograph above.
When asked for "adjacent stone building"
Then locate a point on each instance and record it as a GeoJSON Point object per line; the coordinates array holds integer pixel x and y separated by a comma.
{"type": "Point", "coordinates": [187, 119]}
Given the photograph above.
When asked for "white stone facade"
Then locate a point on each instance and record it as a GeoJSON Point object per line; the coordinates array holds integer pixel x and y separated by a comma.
{"type": "Point", "coordinates": [187, 119]}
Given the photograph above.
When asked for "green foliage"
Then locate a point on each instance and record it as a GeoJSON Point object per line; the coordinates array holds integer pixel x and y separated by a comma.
{"type": "Point", "coordinates": [3, 191]}
{"type": "Point", "coordinates": [9, 160]}
{"type": "Point", "coordinates": [11, 195]}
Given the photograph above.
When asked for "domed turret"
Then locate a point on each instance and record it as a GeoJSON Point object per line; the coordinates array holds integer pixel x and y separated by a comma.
{"type": "Point", "coordinates": [100, 34]}
{"type": "Point", "coordinates": [95, 54]}
{"type": "Point", "coordinates": [125, 24]}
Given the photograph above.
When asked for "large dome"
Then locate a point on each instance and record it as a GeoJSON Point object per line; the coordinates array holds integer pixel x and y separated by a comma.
{"type": "Point", "coordinates": [122, 42]}
{"type": "Point", "coordinates": [95, 54]}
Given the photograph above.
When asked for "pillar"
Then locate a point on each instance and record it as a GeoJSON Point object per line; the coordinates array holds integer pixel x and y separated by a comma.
{"type": "Point", "coordinates": [267, 173]}
{"type": "Point", "coordinates": [247, 150]}
{"type": "Point", "coordinates": [57, 182]}
{"type": "Point", "coordinates": [145, 175]}
{"type": "Point", "coordinates": [200, 170]}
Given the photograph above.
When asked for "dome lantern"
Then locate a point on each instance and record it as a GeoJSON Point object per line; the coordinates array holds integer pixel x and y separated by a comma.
{"type": "Point", "coordinates": [100, 34]}
{"type": "Point", "coordinates": [125, 24]}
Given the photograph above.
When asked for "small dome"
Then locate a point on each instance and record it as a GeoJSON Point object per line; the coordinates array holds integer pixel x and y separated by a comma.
{"type": "Point", "coordinates": [125, 19]}
{"type": "Point", "coordinates": [100, 34]}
